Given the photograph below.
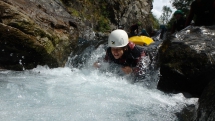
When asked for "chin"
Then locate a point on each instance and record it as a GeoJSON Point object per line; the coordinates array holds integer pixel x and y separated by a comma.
{"type": "Point", "coordinates": [116, 57]}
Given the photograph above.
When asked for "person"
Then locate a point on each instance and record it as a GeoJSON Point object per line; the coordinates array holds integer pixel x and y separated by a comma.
{"type": "Point", "coordinates": [144, 33]}
{"type": "Point", "coordinates": [204, 12]}
{"type": "Point", "coordinates": [179, 23]}
{"type": "Point", "coordinates": [153, 32]}
{"type": "Point", "coordinates": [163, 29]}
{"type": "Point", "coordinates": [134, 29]}
{"type": "Point", "coordinates": [124, 53]}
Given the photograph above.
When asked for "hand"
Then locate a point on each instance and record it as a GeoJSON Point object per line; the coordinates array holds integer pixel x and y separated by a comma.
{"type": "Point", "coordinates": [96, 64]}
{"type": "Point", "coordinates": [127, 69]}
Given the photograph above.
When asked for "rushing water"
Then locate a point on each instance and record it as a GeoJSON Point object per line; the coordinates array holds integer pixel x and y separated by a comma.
{"type": "Point", "coordinates": [84, 94]}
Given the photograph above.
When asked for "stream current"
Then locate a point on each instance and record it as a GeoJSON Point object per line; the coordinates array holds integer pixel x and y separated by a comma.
{"type": "Point", "coordinates": [74, 93]}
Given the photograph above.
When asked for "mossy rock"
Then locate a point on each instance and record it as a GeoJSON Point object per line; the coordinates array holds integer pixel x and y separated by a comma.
{"type": "Point", "coordinates": [20, 50]}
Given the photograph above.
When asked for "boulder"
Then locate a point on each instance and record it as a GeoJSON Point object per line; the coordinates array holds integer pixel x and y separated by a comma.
{"type": "Point", "coordinates": [35, 33]}
{"type": "Point", "coordinates": [187, 61]}
{"type": "Point", "coordinates": [206, 108]}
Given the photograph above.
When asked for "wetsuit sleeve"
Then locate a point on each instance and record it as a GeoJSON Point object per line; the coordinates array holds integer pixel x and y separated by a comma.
{"type": "Point", "coordinates": [191, 14]}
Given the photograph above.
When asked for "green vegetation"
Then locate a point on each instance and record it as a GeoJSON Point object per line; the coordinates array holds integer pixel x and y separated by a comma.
{"type": "Point", "coordinates": [92, 11]}
{"type": "Point", "coordinates": [103, 24]}
{"type": "Point", "coordinates": [74, 12]}
{"type": "Point", "coordinates": [164, 18]}
{"type": "Point", "coordinates": [183, 5]}
{"type": "Point", "coordinates": [103, 21]}
{"type": "Point", "coordinates": [154, 20]}
{"type": "Point", "coordinates": [97, 11]}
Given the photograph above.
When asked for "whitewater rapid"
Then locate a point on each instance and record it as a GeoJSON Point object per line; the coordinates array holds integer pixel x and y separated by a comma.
{"type": "Point", "coordinates": [83, 94]}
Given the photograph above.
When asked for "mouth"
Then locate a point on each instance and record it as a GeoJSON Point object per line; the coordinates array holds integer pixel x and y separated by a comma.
{"type": "Point", "coordinates": [116, 55]}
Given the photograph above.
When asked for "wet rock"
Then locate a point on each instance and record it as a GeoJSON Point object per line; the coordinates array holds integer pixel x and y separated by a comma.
{"type": "Point", "coordinates": [187, 114]}
{"type": "Point", "coordinates": [35, 33]}
{"type": "Point", "coordinates": [102, 14]}
{"type": "Point", "coordinates": [206, 108]}
{"type": "Point", "coordinates": [187, 61]}
{"type": "Point", "coordinates": [20, 51]}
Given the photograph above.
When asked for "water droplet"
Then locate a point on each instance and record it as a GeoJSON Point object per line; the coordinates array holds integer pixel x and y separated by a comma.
{"type": "Point", "coordinates": [20, 62]}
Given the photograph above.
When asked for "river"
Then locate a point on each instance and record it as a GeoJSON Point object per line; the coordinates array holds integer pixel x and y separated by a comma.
{"type": "Point", "coordinates": [84, 94]}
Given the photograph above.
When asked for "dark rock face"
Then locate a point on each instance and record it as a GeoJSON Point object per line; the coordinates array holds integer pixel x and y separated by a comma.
{"type": "Point", "coordinates": [187, 62]}
{"type": "Point", "coordinates": [187, 65]}
{"type": "Point", "coordinates": [206, 109]}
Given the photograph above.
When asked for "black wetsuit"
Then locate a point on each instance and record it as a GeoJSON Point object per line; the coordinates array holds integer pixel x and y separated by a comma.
{"type": "Point", "coordinates": [134, 28]}
{"type": "Point", "coordinates": [179, 24]}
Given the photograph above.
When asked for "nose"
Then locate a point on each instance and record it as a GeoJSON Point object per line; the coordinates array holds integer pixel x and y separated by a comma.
{"type": "Point", "coordinates": [114, 50]}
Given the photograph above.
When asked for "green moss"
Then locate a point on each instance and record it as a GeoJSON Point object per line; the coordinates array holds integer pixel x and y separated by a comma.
{"type": "Point", "coordinates": [95, 11]}
{"type": "Point", "coordinates": [47, 44]}
{"type": "Point", "coordinates": [23, 25]}
{"type": "Point", "coordinates": [73, 12]}
{"type": "Point", "coordinates": [30, 28]}
{"type": "Point", "coordinates": [103, 24]}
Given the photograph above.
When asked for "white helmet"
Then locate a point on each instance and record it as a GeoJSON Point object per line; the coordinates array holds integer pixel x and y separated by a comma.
{"type": "Point", "coordinates": [118, 38]}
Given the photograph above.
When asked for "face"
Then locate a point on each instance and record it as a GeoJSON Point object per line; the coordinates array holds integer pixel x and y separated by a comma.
{"type": "Point", "coordinates": [177, 16]}
{"type": "Point", "coordinates": [117, 52]}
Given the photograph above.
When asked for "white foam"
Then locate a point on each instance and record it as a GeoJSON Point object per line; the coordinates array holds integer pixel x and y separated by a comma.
{"type": "Point", "coordinates": [64, 94]}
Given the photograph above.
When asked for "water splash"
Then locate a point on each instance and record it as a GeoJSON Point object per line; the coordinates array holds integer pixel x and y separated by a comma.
{"type": "Point", "coordinates": [80, 92]}
{"type": "Point", "coordinates": [62, 94]}
{"type": "Point", "coordinates": [20, 63]}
